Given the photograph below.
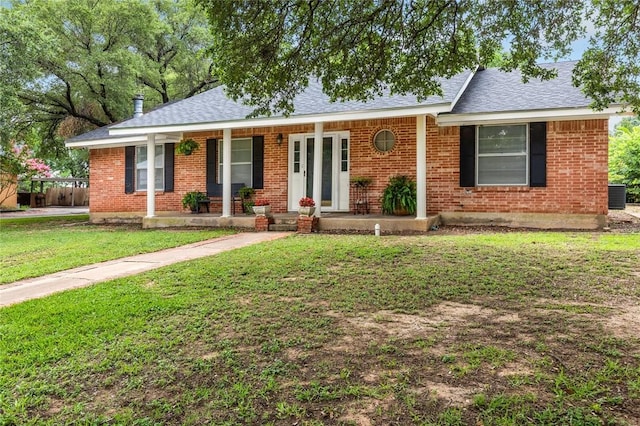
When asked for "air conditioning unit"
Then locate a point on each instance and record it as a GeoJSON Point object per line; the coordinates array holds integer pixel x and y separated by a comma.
{"type": "Point", "coordinates": [617, 196]}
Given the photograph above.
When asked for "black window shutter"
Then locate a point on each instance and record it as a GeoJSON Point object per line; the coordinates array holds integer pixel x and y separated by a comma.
{"type": "Point", "coordinates": [538, 154]}
{"type": "Point", "coordinates": [467, 156]}
{"type": "Point", "coordinates": [169, 150]}
{"type": "Point", "coordinates": [258, 162]}
{"type": "Point", "coordinates": [129, 169]}
{"type": "Point", "coordinates": [214, 189]}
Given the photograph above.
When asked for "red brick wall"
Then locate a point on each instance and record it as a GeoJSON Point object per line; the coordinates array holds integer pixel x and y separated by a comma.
{"type": "Point", "coordinates": [106, 180]}
{"type": "Point", "coordinates": [576, 174]}
{"type": "Point", "coordinates": [576, 169]}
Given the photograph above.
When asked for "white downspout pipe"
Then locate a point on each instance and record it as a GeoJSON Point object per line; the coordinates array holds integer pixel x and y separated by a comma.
{"type": "Point", "coordinates": [226, 173]}
{"type": "Point", "coordinates": [151, 175]}
{"type": "Point", "coordinates": [317, 166]}
{"type": "Point", "coordinates": [421, 166]}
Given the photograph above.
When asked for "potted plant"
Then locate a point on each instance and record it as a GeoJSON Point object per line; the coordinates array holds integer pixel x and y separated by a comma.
{"type": "Point", "coordinates": [262, 207]}
{"type": "Point", "coordinates": [246, 193]}
{"type": "Point", "coordinates": [186, 146]}
{"type": "Point", "coordinates": [361, 181]}
{"type": "Point", "coordinates": [400, 196]}
{"type": "Point", "coordinates": [192, 200]}
{"type": "Point", "coordinates": [307, 206]}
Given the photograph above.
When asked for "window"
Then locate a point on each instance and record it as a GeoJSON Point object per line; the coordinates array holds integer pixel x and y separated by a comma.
{"type": "Point", "coordinates": [142, 164]}
{"type": "Point", "coordinates": [384, 140]}
{"type": "Point", "coordinates": [502, 155]}
{"type": "Point", "coordinates": [296, 156]}
{"type": "Point", "coordinates": [241, 161]}
{"type": "Point", "coordinates": [344, 155]}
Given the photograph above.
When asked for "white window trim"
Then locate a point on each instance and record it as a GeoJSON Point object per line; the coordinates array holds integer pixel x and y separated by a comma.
{"type": "Point", "coordinates": [526, 154]}
{"type": "Point", "coordinates": [162, 171]}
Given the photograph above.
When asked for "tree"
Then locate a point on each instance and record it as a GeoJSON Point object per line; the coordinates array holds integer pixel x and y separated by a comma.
{"type": "Point", "coordinates": [17, 162]}
{"type": "Point", "coordinates": [67, 67]}
{"type": "Point", "coordinates": [266, 51]}
{"type": "Point", "coordinates": [624, 158]}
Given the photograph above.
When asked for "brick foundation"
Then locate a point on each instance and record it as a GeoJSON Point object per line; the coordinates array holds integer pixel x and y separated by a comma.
{"type": "Point", "coordinates": [262, 223]}
{"type": "Point", "coordinates": [307, 224]}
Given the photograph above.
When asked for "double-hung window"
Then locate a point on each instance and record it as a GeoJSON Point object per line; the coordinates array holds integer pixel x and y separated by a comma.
{"type": "Point", "coordinates": [502, 155]}
{"type": "Point", "coordinates": [241, 161]}
{"type": "Point", "coordinates": [141, 167]}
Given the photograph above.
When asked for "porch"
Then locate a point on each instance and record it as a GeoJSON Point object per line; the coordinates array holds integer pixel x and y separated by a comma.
{"type": "Point", "coordinates": [329, 222]}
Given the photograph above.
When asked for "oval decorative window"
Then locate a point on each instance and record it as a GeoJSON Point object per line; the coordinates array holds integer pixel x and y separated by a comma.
{"type": "Point", "coordinates": [384, 140]}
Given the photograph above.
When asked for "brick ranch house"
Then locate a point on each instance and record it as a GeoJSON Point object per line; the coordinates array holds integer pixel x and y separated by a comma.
{"type": "Point", "coordinates": [490, 150]}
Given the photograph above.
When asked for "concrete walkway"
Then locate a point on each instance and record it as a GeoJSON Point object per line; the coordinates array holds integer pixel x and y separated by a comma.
{"type": "Point", "coordinates": [45, 211]}
{"type": "Point", "coordinates": [83, 276]}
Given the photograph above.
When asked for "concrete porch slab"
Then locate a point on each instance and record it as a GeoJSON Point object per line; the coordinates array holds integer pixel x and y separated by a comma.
{"type": "Point", "coordinates": [365, 223]}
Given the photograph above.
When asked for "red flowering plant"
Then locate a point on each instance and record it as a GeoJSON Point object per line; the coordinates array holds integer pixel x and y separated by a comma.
{"type": "Point", "coordinates": [307, 202]}
{"type": "Point", "coordinates": [261, 202]}
{"type": "Point", "coordinates": [17, 163]}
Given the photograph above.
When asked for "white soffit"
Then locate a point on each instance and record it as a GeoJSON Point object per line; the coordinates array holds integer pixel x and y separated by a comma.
{"type": "Point", "coordinates": [525, 116]}
{"type": "Point", "coordinates": [114, 142]}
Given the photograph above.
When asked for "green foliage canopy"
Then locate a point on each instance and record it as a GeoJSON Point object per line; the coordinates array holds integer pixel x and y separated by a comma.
{"type": "Point", "coordinates": [266, 51]}
{"type": "Point", "coordinates": [70, 66]}
{"type": "Point", "coordinates": [624, 159]}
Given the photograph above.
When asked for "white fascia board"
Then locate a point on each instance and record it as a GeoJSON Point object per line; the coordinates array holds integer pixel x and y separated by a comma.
{"type": "Point", "coordinates": [287, 121]}
{"type": "Point", "coordinates": [114, 142]}
{"type": "Point", "coordinates": [525, 116]}
{"type": "Point", "coordinates": [463, 89]}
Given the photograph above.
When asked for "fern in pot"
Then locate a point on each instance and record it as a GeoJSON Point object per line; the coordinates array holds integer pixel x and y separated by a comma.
{"type": "Point", "coordinates": [400, 196]}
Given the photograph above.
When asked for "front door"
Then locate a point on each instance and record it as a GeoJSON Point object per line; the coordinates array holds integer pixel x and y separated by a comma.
{"type": "Point", "coordinates": [335, 170]}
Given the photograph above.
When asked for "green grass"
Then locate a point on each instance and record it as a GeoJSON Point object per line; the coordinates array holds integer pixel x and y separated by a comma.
{"type": "Point", "coordinates": [32, 247]}
{"type": "Point", "coordinates": [492, 329]}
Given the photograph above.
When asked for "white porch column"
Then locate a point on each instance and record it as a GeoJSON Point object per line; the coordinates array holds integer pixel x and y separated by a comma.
{"type": "Point", "coordinates": [151, 175]}
{"type": "Point", "coordinates": [317, 167]}
{"type": "Point", "coordinates": [421, 166]}
{"type": "Point", "coordinates": [226, 173]}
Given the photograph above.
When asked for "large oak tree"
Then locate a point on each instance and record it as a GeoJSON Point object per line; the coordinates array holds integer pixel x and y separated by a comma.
{"type": "Point", "coordinates": [70, 66]}
{"type": "Point", "coordinates": [266, 51]}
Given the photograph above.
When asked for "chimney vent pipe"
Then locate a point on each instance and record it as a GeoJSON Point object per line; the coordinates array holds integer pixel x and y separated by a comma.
{"type": "Point", "coordinates": [137, 105]}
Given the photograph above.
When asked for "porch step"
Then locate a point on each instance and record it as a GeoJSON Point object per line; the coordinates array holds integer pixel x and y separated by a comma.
{"type": "Point", "coordinates": [281, 227]}
{"type": "Point", "coordinates": [287, 220]}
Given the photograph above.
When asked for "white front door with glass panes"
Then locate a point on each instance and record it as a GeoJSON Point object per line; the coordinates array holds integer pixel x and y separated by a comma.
{"type": "Point", "coordinates": [335, 170]}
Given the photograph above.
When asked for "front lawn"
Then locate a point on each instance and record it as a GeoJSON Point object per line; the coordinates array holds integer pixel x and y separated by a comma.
{"type": "Point", "coordinates": [485, 329]}
{"type": "Point", "coordinates": [32, 247]}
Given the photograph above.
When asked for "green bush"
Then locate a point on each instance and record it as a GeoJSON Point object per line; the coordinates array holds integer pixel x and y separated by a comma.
{"type": "Point", "coordinates": [624, 160]}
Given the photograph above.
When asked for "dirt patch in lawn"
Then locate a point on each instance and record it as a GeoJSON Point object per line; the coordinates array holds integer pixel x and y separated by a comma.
{"type": "Point", "coordinates": [625, 323]}
{"type": "Point", "coordinates": [455, 351]}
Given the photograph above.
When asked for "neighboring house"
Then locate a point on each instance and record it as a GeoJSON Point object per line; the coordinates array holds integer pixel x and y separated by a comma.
{"type": "Point", "coordinates": [8, 191]}
{"type": "Point", "coordinates": [489, 150]}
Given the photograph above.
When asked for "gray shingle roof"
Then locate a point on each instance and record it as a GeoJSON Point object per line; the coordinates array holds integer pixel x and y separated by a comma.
{"type": "Point", "coordinates": [489, 91]}
{"type": "Point", "coordinates": [492, 90]}
{"type": "Point", "coordinates": [213, 105]}
{"type": "Point", "coordinates": [97, 134]}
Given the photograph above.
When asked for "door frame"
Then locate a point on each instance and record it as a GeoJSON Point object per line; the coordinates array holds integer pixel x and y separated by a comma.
{"type": "Point", "coordinates": [339, 177]}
